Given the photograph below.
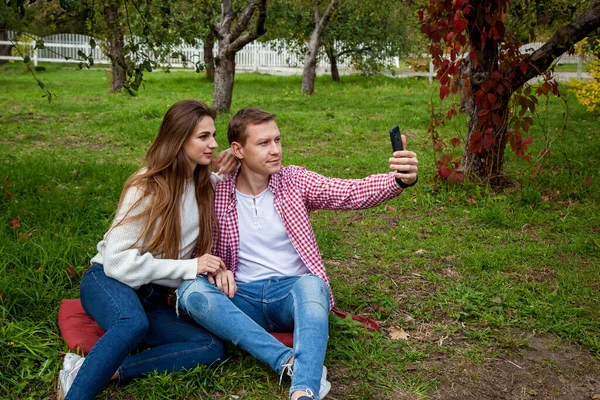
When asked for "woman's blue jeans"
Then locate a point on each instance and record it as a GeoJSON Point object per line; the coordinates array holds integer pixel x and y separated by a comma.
{"type": "Point", "coordinates": [279, 304]}
{"type": "Point", "coordinates": [133, 318]}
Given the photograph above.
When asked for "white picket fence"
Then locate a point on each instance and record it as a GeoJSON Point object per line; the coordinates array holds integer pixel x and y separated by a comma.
{"type": "Point", "coordinates": [256, 56]}
{"type": "Point", "coordinates": [65, 47]}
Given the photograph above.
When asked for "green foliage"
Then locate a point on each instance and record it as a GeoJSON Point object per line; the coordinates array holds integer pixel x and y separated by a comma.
{"type": "Point", "coordinates": [367, 33]}
{"type": "Point", "coordinates": [462, 262]}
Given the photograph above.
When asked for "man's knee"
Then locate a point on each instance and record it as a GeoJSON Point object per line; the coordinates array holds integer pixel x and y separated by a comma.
{"type": "Point", "coordinates": [196, 297]}
{"type": "Point", "coordinates": [311, 288]}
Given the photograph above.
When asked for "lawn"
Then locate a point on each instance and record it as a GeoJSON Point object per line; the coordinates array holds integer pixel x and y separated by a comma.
{"type": "Point", "coordinates": [499, 291]}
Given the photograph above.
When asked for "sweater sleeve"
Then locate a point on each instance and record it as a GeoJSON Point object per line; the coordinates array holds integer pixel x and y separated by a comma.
{"type": "Point", "coordinates": [120, 252]}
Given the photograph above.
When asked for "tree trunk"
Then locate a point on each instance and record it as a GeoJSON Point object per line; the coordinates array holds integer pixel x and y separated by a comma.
{"type": "Point", "coordinates": [335, 73]}
{"type": "Point", "coordinates": [209, 57]}
{"type": "Point", "coordinates": [232, 37]}
{"type": "Point", "coordinates": [5, 49]}
{"type": "Point", "coordinates": [309, 71]}
{"type": "Point", "coordinates": [224, 78]}
{"type": "Point", "coordinates": [116, 42]}
{"type": "Point", "coordinates": [484, 150]}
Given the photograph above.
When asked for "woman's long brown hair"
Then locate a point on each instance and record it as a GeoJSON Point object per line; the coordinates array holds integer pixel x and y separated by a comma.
{"type": "Point", "coordinates": [162, 184]}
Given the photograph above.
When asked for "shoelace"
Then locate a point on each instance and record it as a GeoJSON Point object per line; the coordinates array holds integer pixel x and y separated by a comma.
{"type": "Point", "coordinates": [287, 368]}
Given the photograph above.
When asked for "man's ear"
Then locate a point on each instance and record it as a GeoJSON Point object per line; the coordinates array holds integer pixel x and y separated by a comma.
{"type": "Point", "coordinates": [237, 150]}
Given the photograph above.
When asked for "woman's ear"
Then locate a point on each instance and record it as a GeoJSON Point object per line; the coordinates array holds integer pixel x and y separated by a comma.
{"type": "Point", "coordinates": [237, 150]}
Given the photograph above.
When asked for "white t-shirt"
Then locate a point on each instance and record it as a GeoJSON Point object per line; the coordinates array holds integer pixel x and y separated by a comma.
{"type": "Point", "coordinates": [265, 248]}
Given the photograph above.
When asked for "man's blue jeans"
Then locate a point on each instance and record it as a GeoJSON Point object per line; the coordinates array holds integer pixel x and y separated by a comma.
{"type": "Point", "coordinates": [279, 304]}
{"type": "Point", "coordinates": [133, 318]}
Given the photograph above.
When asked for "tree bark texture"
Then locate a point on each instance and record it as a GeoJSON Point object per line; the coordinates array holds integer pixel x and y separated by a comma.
{"type": "Point", "coordinates": [330, 51]}
{"type": "Point", "coordinates": [309, 71]}
{"type": "Point", "coordinates": [116, 42]}
{"type": "Point", "coordinates": [209, 58]}
{"type": "Point", "coordinates": [5, 49]}
{"type": "Point", "coordinates": [232, 36]}
{"type": "Point", "coordinates": [224, 78]}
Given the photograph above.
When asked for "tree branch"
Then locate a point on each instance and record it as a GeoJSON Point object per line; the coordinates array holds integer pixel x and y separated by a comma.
{"type": "Point", "coordinates": [259, 29]}
{"type": "Point", "coordinates": [562, 40]}
{"type": "Point", "coordinates": [243, 20]}
{"type": "Point", "coordinates": [226, 17]}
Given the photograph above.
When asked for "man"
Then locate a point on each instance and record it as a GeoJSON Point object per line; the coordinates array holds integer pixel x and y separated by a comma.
{"type": "Point", "coordinates": [276, 280]}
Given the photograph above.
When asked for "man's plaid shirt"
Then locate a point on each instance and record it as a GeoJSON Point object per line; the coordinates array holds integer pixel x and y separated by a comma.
{"type": "Point", "coordinates": [297, 192]}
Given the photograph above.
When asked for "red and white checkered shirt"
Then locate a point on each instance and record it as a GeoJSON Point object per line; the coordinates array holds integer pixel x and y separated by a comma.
{"type": "Point", "coordinates": [297, 192]}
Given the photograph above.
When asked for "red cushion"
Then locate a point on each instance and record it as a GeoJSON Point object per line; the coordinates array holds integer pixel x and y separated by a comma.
{"type": "Point", "coordinates": [287, 338]}
{"type": "Point", "coordinates": [81, 332]}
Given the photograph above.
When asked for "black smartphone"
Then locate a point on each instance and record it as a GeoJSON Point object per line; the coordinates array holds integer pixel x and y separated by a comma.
{"type": "Point", "coordinates": [396, 139]}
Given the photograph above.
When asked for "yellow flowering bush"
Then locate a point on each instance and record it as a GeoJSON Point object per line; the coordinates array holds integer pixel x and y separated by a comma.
{"type": "Point", "coordinates": [588, 93]}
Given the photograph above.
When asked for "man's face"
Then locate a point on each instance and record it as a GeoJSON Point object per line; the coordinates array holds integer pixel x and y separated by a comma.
{"type": "Point", "coordinates": [261, 154]}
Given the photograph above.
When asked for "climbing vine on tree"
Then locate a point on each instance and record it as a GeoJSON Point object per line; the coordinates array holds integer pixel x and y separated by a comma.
{"type": "Point", "coordinates": [476, 56]}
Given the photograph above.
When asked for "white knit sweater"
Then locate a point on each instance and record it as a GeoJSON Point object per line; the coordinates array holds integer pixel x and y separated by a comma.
{"type": "Point", "coordinates": [121, 255]}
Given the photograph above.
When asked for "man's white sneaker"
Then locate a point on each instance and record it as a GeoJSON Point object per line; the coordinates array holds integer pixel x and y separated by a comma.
{"type": "Point", "coordinates": [71, 365]}
{"type": "Point", "coordinates": [325, 384]}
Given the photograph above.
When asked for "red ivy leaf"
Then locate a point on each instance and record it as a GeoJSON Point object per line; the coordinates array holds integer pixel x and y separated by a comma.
{"type": "Point", "coordinates": [483, 112]}
{"type": "Point", "coordinates": [523, 67]}
{"type": "Point", "coordinates": [488, 141]}
{"type": "Point", "coordinates": [456, 176]}
{"type": "Point", "coordinates": [444, 172]}
{"type": "Point", "coordinates": [444, 92]}
{"type": "Point", "coordinates": [455, 142]}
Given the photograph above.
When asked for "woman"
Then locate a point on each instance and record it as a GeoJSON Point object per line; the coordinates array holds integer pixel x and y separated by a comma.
{"type": "Point", "coordinates": [165, 214]}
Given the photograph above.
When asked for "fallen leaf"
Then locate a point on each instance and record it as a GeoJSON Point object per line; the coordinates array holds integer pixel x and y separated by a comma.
{"type": "Point", "coordinates": [410, 366]}
{"type": "Point", "coordinates": [421, 251]}
{"type": "Point", "coordinates": [497, 300]}
{"type": "Point", "coordinates": [596, 396]}
{"type": "Point", "coordinates": [389, 208]}
{"type": "Point", "coordinates": [398, 333]}
{"type": "Point", "coordinates": [15, 223]}
{"type": "Point", "coordinates": [25, 236]}
{"type": "Point", "coordinates": [70, 271]}
{"type": "Point", "coordinates": [2, 296]}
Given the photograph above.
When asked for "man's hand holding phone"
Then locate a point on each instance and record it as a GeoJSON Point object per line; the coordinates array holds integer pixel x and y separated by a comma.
{"type": "Point", "coordinates": [403, 162]}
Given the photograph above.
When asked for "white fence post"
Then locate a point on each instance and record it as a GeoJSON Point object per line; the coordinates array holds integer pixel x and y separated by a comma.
{"type": "Point", "coordinates": [430, 71]}
{"type": "Point", "coordinates": [35, 55]}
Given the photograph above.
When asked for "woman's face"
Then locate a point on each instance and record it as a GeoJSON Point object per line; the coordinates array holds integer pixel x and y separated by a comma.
{"type": "Point", "coordinates": [200, 145]}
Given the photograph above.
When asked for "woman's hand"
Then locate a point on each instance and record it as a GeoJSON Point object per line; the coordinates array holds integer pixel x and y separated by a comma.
{"type": "Point", "coordinates": [225, 282]}
{"type": "Point", "coordinates": [209, 264]}
{"type": "Point", "coordinates": [225, 163]}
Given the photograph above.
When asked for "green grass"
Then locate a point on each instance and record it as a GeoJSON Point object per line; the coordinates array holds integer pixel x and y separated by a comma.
{"type": "Point", "coordinates": [455, 261]}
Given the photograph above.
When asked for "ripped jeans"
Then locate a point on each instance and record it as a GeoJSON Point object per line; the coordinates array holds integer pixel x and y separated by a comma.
{"type": "Point", "coordinates": [278, 304]}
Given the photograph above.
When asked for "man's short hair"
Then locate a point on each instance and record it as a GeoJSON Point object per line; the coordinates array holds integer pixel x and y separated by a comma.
{"type": "Point", "coordinates": [236, 132]}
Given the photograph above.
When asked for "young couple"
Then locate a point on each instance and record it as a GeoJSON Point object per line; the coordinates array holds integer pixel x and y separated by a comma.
{"type": "Point", "coordinates": [260, 269]}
